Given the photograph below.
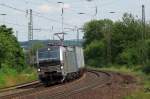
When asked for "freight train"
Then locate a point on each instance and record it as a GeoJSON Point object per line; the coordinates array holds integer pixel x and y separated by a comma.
{"type": "Point", "coordinates": [57, 63]}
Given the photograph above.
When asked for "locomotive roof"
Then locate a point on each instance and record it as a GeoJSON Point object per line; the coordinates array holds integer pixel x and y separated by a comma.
{"type": "Point", "coordinates": [54, 47]}
{"type": "Point", "coordinates": [27, 45]}
{"type": "Point", "coordinates": [51, 47]}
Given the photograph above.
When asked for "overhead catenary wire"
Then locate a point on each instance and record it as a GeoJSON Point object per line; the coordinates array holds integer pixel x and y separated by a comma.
{"type": "Point", "coordinates": [37, 14]}
{"type": "Point", "coordinates": [42, 16]}
{"type": "Point", "coordinates": [74, 8]}
{"type": "Point", "coordinates": [4, 5]}
{"type": "Point", "coordinates": [23, 11]}
{"type": "Point", "coordinates": [73, 2]}
{"type": "Point", "coordinates": [21, 25]}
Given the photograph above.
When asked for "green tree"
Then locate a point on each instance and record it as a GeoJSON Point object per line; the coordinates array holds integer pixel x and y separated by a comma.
{"type": "Point", "coordinates": [95, 53]}
{"type": "Point", "coordinates": [11, 54]}
{"type": "Point", "coordinates": [98, 31]}
{"type": "Point", "coordinates": [122, 41]}
{"type": "Point", "coordinates": [128, 45]}
{"type": "Point", "coordinates": [95, 30]}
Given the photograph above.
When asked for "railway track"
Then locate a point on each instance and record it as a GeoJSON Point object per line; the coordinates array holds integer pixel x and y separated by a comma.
{"type": "Point", "coordinates": [89, 81]}
{"type": "Point", "coordinates": [19, 86]}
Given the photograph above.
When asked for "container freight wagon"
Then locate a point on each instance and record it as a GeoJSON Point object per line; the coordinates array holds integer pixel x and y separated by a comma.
{"type": "Point", "coordinates": [59, 63]}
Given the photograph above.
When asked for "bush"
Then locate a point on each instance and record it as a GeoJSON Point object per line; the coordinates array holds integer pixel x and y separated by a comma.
{"type": "Point", "coordinates": [139, 95]}
{"type": "Point", "coordinates": [10, 76]}
{"type": "Point", "coordinates": [95, 54]}
{"type": "Point", "coordinates": [146, 69]}
{"type": "Point", "coordinates": [128, 56]}
{"type": "Point", "coordinates": [11, 54]}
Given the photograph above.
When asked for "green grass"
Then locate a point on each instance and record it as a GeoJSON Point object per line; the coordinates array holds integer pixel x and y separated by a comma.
{"type": "Point", "coordinates": [143, 80]}
{"type": "Point", "coordinates": [10, 77]}
{"type": "Point", "coordinates": [142, 94]}
{"type": "Point", "coordinates": [138, 95]}
{"type": "Point", "coordinates": [120, 69]}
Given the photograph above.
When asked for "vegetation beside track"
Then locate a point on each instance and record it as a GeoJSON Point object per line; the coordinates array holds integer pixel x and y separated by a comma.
{"type": "Point", "coordinates": [13, 68]}
{"type": "Point", "coordinates": [139, 95]}
{"type": "Point", "coordinates": [120, 42]}
{"type": "Point", "coordinates": [143, 80]}
{"type": "Point", "coordinates": [125, 42]}
{"type": "Point", "coordinates": [10, 77]}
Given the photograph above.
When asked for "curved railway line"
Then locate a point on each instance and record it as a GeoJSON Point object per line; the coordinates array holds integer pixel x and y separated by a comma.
{"type": "Point", "coordinates": [91, 80]}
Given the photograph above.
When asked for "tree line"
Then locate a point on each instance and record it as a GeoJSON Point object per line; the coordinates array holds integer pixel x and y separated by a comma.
{"type": "Point", "coordinates": [123, 42]}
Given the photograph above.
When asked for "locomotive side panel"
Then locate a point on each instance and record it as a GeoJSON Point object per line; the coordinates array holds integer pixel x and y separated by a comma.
{"type": "Point", "coordinates": [80, 57]}
{"type": "Point", "coordinates": [70, 63]}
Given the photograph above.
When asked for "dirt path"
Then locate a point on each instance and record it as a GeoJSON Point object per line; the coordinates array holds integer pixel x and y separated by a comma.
{"type": "Point", "coordinates": [121, 85]}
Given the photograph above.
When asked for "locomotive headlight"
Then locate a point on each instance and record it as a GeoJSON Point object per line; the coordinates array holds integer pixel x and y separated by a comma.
{"type": "Point", "coordinates": [61, 67]}
{"type": "Point", "coordinates": [39, 70]}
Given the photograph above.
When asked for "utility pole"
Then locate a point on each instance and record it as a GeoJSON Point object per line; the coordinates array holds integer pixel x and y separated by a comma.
{"type": "Point", "coordinates": [109, 45]}
{"type": "Point", "coordinates": [96, 10]}
{"type": "Point", "coordinates": [143, 37]}
{"type": "Point", "coordinates": [143, 22]}
{"type": "Point", "coordinates": [17, 35]}
{"type": "Point", "coordinates": [30, 36]}
{"type": "Point", "coordinates": [51, 30]}
{"type": "Point", "coordinates": [62, 19]}
{"type": "Point", "coordinates": [30, 26]}
{"type": "Point", "coordinates": [108, 37]}
{"type": "Point", "coordinates": [3, 15]}
{"type": "Point", "coordinates": [62, 16]}
{"type": "Point", "coordinates": [78, 35]}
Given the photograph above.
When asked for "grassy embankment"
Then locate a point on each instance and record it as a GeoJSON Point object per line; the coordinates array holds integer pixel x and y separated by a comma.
{"type": "Point", "coordinates": [143, 80]}
{"type": "Point", "coordinates": [10, 77]}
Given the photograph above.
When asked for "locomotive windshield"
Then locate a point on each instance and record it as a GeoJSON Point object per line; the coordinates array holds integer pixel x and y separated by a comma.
{"type": "Point", "coordinates": [49, 54]}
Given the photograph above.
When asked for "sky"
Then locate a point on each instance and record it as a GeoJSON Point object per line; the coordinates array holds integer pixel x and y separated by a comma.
{"type": "Point", "coordinates": [47, 18]}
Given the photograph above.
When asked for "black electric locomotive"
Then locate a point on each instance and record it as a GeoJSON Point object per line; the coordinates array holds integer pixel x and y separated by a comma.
{"type": "Point", "coordinates": [58, 63]}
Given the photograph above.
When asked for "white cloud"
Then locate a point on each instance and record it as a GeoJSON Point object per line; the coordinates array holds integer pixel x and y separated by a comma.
{"type": "Point", "coordinates": [44, 8]}
{"type": "Point", "coordinates": [66, 6]}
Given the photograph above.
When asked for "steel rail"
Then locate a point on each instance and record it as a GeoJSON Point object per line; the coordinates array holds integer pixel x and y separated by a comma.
{"type": "Point", "coordinates": [19, 86]}
{"type": "Point", "coordinates": [92, 86]}
{"type": "Point", "coordinates": [76, 90]}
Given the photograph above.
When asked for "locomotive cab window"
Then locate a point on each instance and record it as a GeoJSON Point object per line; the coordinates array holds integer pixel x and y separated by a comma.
{"type": "Point", "coordinates": [49, 54]}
